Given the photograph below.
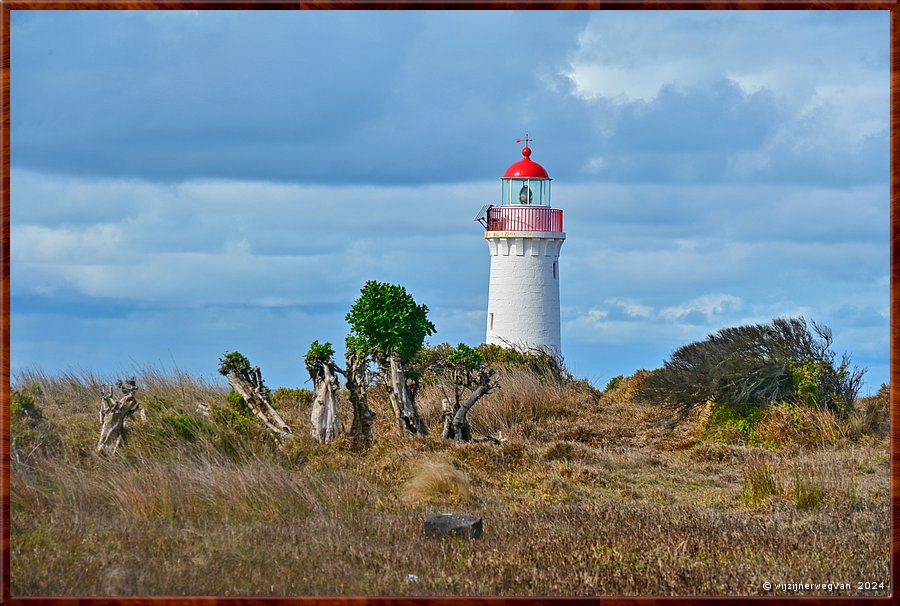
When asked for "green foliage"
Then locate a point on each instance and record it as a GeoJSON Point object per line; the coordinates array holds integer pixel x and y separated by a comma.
{"type": "Point", "coordinates": [22, 403]}
{"type": "Point", "coordinates": [736, 424]}
{"type": "Point", "coordinates": [355, 345]}
{"type": "Point", "coordinates": [539, 363]}
{"type": "Point", "coordinates": [387, 319]}
{"type": "Point", "coordinates": [812, 380]}
{"type": "Point", "coordinates": [296, 395]}
{"type": "Point", "coordinates": [319, 354]}
{"type": "Point", "coordinates": [614, 382]}
{"type": "Point", "coordinates": [465, 357]}
{"type": "Point", "coordinates": [234, 362]}
{"type": "Point", "coordinates": [30, 432]}
{"type": "Point", "coordinates": [167, 421]}
{"type": "Point", "coordinates": [231, 417]}
{"type": "Point", "coordinates": [237, 406]}
{"type": "Point", "coordinates": [237, 402]}
{"type": "Point", "coordinates": [184, 425]}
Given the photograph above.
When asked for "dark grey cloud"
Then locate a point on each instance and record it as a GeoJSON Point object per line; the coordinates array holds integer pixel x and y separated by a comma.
{"type": "Point", "coordinates": [324, 97]}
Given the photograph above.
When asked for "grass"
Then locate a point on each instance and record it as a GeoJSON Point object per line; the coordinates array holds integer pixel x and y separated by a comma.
{"type": "Point", "coordinates": [589, 495]}
{"type": "Point", "coordinates": [437, 482]}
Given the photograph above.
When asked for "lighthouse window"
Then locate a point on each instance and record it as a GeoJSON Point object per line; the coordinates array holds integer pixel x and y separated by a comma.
{"type": "Point", "coordinates": [554, 270]}
{"type": "Point", "coordinates": [525, 195]}
{"type": "Point", "coordinates": [491, 321]}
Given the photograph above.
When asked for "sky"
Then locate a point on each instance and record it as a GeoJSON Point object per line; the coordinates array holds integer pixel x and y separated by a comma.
{"type": "Point", "coordinates": [186, 183]}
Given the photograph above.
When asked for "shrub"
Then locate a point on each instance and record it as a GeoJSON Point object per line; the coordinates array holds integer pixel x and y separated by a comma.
{"type": "Point", "coordinates": [22, 403]}
{"type": "Point", "coordinates": [237, 403]}
{"type": "Point", "coordinates": [233, 413]}
{"type": "Point", "coordinates": [296, 396]}
{"type": "Point", "coordinates": [736, 424]}
{"type": "Point", "coordinates": [30, 432]}
{"type": "Point", "coordinates": [538, 362]}
{"type": "Point", "coordinates": [613, 383]}
{"type": "Point", "coordinates": [755, 365]}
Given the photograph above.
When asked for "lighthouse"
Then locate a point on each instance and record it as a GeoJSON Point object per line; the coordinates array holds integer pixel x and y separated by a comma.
{"type": "Point", "coordinates": [524, 234]}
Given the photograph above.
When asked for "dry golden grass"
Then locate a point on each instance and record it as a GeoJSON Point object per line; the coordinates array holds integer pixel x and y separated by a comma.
{"type": "Point", "coordinates": [628, 389]}
{"type": "Point", "coordinates": [587, 497]}
{"type": "Point", "coordinates": [437, 482]}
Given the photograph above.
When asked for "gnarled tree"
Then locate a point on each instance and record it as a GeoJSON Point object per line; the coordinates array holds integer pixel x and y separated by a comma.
{"type": "Point", "coordinates": [391, 327]}
{"type": "Point", "coordinates": [469, 378]}
{"type": "Point", "coordinates": [113, 414]}
{"type": "Point", "coordinates": [323, 373]}
{"type": "Point", "coordinates": [357, 375]}
{"type": "Point", "coordinates": [248, 382]}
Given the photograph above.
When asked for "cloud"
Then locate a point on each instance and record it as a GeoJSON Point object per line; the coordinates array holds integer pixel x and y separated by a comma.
{"type": "Point", "coordinates": [368, 97]}
{"type": "Point", "coordinates": [709, 307]}
{"type": "Point", "coordinates": [248, 171]}
{"type": "Point", "coordinates": [809, 105]}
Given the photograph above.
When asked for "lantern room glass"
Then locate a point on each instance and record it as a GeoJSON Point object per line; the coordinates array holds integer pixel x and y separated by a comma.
{"type": "Point", "coordinates": [529, 192]}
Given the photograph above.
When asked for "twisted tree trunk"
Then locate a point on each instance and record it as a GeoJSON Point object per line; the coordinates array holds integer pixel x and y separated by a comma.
{"type": "Point", "coordinates": [456, 421]}
{"type": "Point", "coordinates": [113, 414]}
{"type": "Point", "coordinates": [402, 401]}
{"type": "Point", "coordinates": [358, 385]}
{"type": "Point", "coordinates": [324, 408]}
{"type": "Point", "coordinates": [258, 397]}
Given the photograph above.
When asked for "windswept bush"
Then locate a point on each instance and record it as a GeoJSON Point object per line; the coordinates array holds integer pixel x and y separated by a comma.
{"type": "Point", "coordinates": [783, 361]}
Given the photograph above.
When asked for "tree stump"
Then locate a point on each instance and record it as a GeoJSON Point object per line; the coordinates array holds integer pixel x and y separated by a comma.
{"type": "Point", "coordinates": [357, 375]}
{"type": "Point", "coordinates": [258, 398]}
{"type": "Point", "coordinates": [113, 414]}
{"type": "Point", "coordinates": [324, 407]}
{"type": "Point", "coordinates": [402, 401]}
{"type": "Point", "coordinates": [248, 382]}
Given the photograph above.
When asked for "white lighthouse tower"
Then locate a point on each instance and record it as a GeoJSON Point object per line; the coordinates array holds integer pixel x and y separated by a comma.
{"type": "Point", "coordinates": [524, 235]}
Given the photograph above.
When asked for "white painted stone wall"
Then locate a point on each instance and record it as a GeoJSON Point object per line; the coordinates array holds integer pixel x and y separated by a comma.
{"type": "Point", "coordinates": [523, 297]}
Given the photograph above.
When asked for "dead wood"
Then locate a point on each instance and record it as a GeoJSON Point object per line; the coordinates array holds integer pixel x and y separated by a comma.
{"type": "Point", "coordinates": [402, 401]}
{"type": "Point", "coordinates": [323, 417]}
{"type": "Point", "coordinates": [357, 375]}
{"type": "Point", "coordinates": [113, 414]}
{"type": "Point", "coordinates": [249, 384]}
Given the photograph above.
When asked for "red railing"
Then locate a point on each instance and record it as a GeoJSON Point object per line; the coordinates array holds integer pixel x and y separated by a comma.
{"type": "Point", "coordinates": [524, 218]}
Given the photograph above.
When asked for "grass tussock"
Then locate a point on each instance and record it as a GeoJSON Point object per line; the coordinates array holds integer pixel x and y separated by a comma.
{"type": "Point", "coordinates": [199, 500]}
{"type": "Point", "coordinates": [760, 482]}
{"type": "Point", "coordinates": [437, 482]}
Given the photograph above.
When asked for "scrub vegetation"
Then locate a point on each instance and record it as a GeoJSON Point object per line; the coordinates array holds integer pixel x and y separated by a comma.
{"type": "Point", "coordinates": [582, 491]}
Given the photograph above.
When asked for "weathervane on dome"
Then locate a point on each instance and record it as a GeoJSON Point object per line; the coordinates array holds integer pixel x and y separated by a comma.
{"type": "Point", "coordinates": [526, 151]}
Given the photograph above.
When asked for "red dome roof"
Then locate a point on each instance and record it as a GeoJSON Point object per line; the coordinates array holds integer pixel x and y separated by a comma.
{"type": "Point", "coordinates": [526, 168]}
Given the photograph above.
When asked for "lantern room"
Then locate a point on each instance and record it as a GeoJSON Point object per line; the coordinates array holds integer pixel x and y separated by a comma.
{"type": "Point", "coordinates": [525, 183]}
{"type": "Point", "coordinates": [524, 199]}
